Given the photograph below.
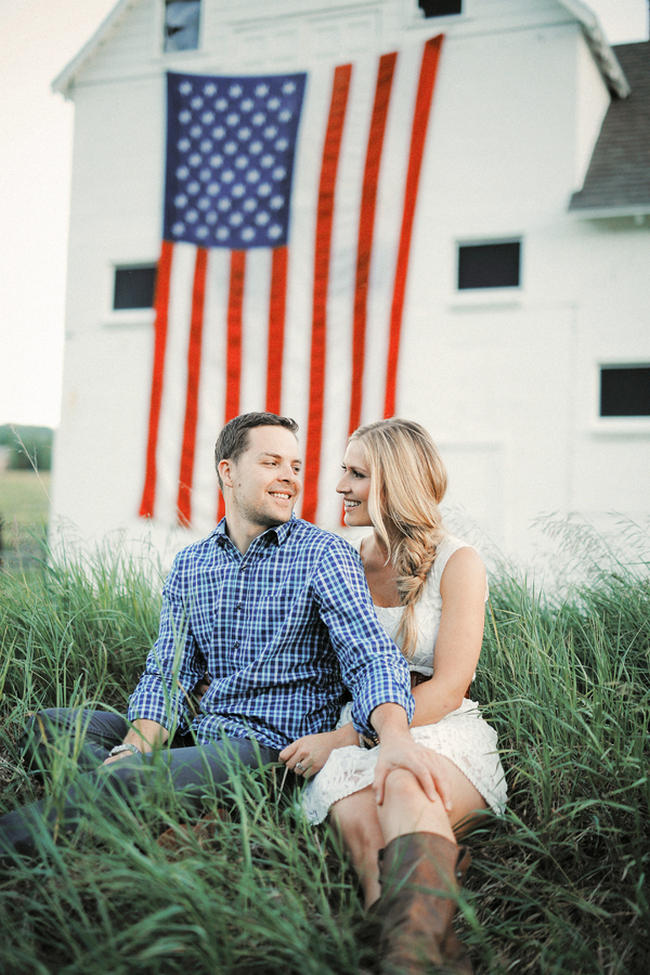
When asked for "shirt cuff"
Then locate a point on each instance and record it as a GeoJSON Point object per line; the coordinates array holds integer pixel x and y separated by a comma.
{"type": "Point", "coordinates": [151, 701]}
{"type": "Point", "coordinates": [374, 694]}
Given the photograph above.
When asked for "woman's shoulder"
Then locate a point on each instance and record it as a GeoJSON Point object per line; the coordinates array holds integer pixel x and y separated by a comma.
{"type": "Point", "coordinates": [448, 546]}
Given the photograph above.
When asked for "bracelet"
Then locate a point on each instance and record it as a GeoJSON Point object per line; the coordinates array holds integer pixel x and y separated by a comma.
{"type": "Point", "coordinates": [126, 746]}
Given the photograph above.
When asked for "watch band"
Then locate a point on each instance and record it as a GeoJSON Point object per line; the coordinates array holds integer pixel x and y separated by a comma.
{"type": "Point", "coordinates": [126, 746]}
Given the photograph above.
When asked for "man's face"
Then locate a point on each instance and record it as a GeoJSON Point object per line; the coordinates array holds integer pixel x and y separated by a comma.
{"type": "Point", "coordinates": [265, 480]}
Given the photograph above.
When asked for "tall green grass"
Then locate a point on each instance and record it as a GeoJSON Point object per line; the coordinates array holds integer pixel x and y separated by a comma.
{"type": "Point", "coordinates": [558, 885]}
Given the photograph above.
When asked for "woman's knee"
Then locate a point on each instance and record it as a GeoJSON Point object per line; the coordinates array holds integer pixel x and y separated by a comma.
{"type": "Point", "coordinates": [402, 784]}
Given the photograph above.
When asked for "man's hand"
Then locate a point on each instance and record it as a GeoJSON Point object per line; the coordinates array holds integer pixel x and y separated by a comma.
{"type": "Point", "coordinates": [143, 735]}
{"type": "Point", "coordinates": [398, 750]}
{"type": "Point", "coordinates": [401, 752]}
{"type": "Point", "coordinates": [307, 755]}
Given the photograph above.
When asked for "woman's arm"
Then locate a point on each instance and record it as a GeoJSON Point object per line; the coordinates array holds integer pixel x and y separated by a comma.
{"type": "Point", "coordinates": [462, 587]}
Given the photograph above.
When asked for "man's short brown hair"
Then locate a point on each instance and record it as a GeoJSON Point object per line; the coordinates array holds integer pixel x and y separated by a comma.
{"type": "Point", "coordinates": [233, 439]}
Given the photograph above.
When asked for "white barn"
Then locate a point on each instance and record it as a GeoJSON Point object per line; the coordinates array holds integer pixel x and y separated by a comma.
{"type": "Point", "coordinates": [525, 346]}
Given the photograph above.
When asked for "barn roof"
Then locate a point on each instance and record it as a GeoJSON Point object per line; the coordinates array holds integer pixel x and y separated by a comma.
{"type": "Point", "coordinates": [593, 32]}
{"type": "Point", "coordinates": [618, 177]}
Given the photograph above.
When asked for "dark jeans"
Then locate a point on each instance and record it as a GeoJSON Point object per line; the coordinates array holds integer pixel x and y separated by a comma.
{"type": "Point", "coordinates": [185, 768]}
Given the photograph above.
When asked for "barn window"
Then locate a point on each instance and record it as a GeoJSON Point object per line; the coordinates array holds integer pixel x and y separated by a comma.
{"type": "Point", "coordinates": [493, 265]}
{"type": "Point", "coordinates": [440, 8]}
{"type": "Point", "coordinates": [134, 286]}
{"type": "Point", "coordinates": [182, 25]}
{"type": "Point", "coordinates": [625, 390]}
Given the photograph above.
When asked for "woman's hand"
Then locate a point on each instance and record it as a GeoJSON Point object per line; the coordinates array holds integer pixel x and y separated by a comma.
{"type": "Point", "coordinates": [307, 755]}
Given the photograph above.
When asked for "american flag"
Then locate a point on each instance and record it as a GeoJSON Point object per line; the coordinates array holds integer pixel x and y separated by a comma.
{"type": "Point", "coordinates": [289, 216]}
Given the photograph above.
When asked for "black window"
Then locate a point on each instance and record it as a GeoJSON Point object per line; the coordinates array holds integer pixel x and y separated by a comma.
{"type": "Point", "coordinates": [494, 265]}
{"type": "Point", "coordinates": [134, 287]}
{"type": "Point", "coordinates": [440, 8]}
{"type": "Point", "coordinates": [625, 391]}
{"type": "Point", "coordinates": [182, 25]}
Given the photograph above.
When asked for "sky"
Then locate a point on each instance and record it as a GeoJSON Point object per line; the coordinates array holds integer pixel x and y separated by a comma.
{"type": "Point", "coordinates": [35, 167]}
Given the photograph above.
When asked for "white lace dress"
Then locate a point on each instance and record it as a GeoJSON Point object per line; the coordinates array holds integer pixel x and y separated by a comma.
{"type": "Point", "coordinates": [462, 736]}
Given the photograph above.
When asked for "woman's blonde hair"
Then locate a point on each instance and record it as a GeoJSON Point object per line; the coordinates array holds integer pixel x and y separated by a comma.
{"type": "Point", "coordinates": [408, 481]}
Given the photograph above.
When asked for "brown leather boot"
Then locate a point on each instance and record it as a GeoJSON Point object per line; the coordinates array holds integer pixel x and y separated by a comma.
{"type": "Point", "coordinates": [420, 875]}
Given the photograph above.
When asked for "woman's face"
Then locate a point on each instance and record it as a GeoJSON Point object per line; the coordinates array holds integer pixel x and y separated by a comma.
{"type": "Point", "coordinates": [355, 486]}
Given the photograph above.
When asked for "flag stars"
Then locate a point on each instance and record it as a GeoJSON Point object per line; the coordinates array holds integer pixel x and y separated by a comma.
{"type": "Point", "coordinates": [232, 160]}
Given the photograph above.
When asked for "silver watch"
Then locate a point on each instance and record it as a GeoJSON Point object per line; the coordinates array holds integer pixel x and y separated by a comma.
{"type": "Point", "coordinates": [126, 746]}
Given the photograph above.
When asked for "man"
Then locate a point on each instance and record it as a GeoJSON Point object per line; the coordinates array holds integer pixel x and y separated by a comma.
{"type": "Point", "coordinates": [278, 614]}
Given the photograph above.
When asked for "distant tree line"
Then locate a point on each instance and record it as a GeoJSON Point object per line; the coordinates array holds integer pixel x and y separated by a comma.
{"type": "Point", "coordinates": [30, 447]}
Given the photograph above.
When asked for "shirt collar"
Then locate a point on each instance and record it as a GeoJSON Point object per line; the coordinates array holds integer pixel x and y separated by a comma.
{"type": "Point", "coordinates": [278, 533]}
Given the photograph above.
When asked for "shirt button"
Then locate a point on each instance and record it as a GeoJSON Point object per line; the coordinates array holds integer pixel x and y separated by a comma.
{"type": "Point", "coordinates": [236, 645]}
{"type": "Point", "coordinates": [238, 608]}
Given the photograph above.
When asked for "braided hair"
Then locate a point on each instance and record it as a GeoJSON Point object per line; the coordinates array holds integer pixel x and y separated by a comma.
{"type": "Point", "coordinates": [407, 483]}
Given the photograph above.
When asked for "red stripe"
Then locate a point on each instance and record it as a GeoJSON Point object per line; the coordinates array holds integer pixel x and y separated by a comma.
{"type": "Point", "coordinates": [186, 476]}
{"type": "Point", "coordinates": [324, 220]}
{"type": "Point", "coordinates": [428, 70]}
{"type": "Point", "coordinates": [234, 333]}
{"type": "Point", "coordinates": [277, 310]}
{"type": "Point", "coordinates": [234, 343]}
{"type": "Point", "coordinates": [383, 88]}
{"type": "Point", "coordinates": [161, 305]}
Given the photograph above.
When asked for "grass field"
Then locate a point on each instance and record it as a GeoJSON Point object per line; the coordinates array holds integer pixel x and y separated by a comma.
{"type": "Point", "coordinates": [24, 509]}
{"type": "Point", "coordinates": [558, 885]}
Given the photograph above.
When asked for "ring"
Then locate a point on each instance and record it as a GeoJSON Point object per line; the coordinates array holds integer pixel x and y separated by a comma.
{"type": "Point", "coordinates": [300, 767]}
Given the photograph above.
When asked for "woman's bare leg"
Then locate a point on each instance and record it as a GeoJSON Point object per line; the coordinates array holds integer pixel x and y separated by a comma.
{"type": "Point", "coordinates": [407, 809]}
{"type": "Point", "coordinates": [356, 818]}
{"type": "Point", "coordinates": [366, 828]}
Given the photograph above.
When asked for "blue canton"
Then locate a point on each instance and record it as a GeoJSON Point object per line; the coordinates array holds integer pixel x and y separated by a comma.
{"type": "Point", "coordinates": [230, 153]}
{"type": "Point", "coordinates": [287, 632]}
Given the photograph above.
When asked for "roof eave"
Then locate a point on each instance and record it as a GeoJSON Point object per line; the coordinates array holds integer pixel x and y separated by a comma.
{"type": "Point", "coordinates": [64, 81]}
{"type": "Point", "coordinates": [636, 210]}
{"type": "Point", "coordinates": [600, 47]}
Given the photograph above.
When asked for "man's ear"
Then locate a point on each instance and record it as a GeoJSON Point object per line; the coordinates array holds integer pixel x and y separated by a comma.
{"type": "Point", "coordinates": [225, 472]}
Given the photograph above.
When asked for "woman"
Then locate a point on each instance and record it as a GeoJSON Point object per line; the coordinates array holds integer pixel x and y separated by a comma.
{"type": "Point", "coordinates": [429, 590]}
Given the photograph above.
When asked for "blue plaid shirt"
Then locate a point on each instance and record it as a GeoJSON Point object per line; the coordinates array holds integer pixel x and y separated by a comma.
{"type": "Point", "coordinates": [284, 631]}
